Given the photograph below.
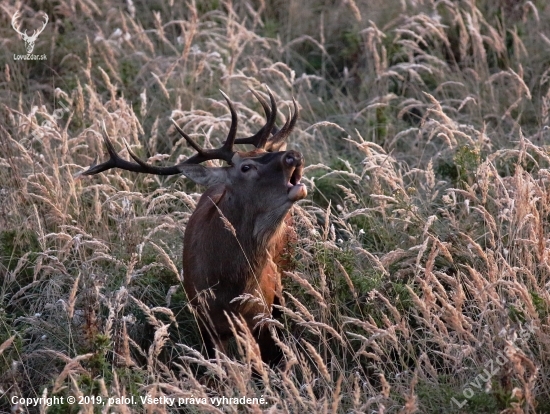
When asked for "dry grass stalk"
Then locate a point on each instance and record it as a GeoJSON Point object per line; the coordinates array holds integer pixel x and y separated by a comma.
{"type": "Point", "coordinates": [449, 187]}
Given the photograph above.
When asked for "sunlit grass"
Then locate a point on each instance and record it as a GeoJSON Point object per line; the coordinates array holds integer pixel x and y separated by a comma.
{"type": "Point", "coordinates": [422, 254]}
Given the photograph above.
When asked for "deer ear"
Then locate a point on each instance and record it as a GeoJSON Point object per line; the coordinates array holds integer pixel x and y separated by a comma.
{"type": "Point", "coordinates": [203, 175]}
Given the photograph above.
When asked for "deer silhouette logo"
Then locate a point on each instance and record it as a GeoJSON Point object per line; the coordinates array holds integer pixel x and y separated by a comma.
{"type": "Point", "coordinates": [29, 40]}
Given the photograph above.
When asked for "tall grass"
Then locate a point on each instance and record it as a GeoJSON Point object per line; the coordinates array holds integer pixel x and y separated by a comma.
{"type": "Point", "coordinates": [422, 274]}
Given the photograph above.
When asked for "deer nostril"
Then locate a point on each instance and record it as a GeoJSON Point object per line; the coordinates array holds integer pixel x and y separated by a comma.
{"type": "Point", "coordinates": [289, 160]}
{"type": "Point", "coordinates": [293, 158]}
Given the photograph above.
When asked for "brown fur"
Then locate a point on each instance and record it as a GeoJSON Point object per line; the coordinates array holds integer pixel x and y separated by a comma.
{"type": "Point", "coordinates": [235, 241]}
{"type": "Point", "coordinates": [219, 265]}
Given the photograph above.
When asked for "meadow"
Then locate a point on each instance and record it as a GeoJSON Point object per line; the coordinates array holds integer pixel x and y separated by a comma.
{"type": "Point", "coordinates": [421, 281]}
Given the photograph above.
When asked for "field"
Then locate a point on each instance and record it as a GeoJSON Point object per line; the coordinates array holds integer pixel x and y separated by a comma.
{"type": "Point", "coordinates": [421, 281]}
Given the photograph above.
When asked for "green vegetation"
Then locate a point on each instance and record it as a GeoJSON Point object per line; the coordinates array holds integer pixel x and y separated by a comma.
{"type": "Point", "coordinates": [422, 251]}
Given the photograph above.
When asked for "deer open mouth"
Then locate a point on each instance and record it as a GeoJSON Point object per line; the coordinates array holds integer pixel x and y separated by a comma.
{"type": "Point", "coordinates": [296, 190]}
{"type": "Point", "coordinates": [295, 177]}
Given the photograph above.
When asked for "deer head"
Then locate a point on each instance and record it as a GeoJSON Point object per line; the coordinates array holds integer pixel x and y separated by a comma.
{"type": "Point", "coordinates": [274, 175]}
{"type": "Point", "coordinates": [29, 40]}
{"type": "Point", "coordinates": [254, 194]}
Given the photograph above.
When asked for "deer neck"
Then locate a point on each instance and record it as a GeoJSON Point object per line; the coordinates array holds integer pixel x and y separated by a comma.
{"type": "Point", "coordinates": [255, 228]}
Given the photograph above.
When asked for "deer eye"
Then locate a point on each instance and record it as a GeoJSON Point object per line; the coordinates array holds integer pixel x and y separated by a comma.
{"type": "Point", "coordinates": [245, 168]}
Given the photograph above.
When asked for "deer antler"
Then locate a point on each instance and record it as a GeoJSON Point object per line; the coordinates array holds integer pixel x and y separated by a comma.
{"type": "Point", "coordinates": [262, 138]}
{"type": "Point", "coordinates": [38, 31]}
{"type": "Point", "coordinates": [226, 152]}
{"type": "Point", "coordinates": [259, 139]}
{"type": "Point", "coordinates": [25, 36]}
{"type": "Point", "coordinates": [14, 22]}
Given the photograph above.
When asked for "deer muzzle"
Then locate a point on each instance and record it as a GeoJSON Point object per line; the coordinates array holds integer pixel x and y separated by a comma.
{"type": "Point", "coordinates": [293, 163]}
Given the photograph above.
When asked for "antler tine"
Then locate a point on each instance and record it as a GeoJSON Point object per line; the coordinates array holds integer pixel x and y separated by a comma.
{"type": "Point", "coordinates": [262, 101]}
{"type": "Point", "coordinates": [151, 169]}
{"type": "Point", "coordinates": [230, 141]}
{"type": "Point", "coordinates": [260, 138]}
{"type": "Point", "coordinates": [110, 163]}
{"type": "Point", "coordinates": [225, 152]}
{"type": "Point", "coordinates": [187, 138]}
{"type": "Point", "coordinates": [38, 31]}
{"type": "Point", "coordinates": [116, 162]}
{"type": "Point", "coordinates": [281, 135]}
{"type": "Point", "coordinates": [14, 22]}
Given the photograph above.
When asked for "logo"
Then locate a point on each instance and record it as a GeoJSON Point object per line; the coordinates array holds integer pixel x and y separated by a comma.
{"type": "Point", "coordinates": [29, 40]}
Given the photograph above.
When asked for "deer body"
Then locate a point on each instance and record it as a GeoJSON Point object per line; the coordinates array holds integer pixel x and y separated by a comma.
{"type": "Point", "coordinates": [235, 239]}
{"type": "Point", "coordinates": [246, 259]}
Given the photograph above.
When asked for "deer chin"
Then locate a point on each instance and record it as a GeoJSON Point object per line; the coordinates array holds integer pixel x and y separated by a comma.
{"type": "Point", "coordinates": [297, 192]}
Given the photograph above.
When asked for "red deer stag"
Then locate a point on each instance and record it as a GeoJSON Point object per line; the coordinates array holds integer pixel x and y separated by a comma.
{"type": "Point", "coordinates": [254, 193]}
